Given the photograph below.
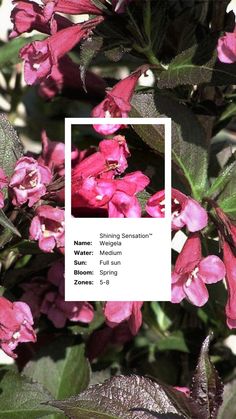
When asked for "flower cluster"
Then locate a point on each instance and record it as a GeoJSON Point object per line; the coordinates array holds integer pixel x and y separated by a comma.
{"type": "Point", "coordinates": [36, 186]}
{"type": "Point", "coordinates": [48, 297]}
{"type": "Point", "coordinates": [47, 62]}
{"type": "Point", "coordinates": [97, 185]}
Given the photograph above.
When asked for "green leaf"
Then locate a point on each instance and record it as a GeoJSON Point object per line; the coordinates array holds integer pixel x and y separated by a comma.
{"type": "Point", "coordinates": [61, 367]}
{"type": "Point", "coordinates": [88, 50]}
{"type": "Point", "coordinates": [175, 341]}
{"type": "Point", "coordinates": [221, 181]}
{"type": "Point", "coordinates": [11, 148]}
{"type": "Point", "coordinates": [228, 205]}
{"type": "Point", "coordinates": [143, 106]}
{"type": "Point", "coordinates": [189, 147]}
{"type": "Point", "coordinates": [128, 397]}
{"type": "Point", "coordinates": [196, 65]}
{"type": "Point", "coordinates": [230, 188]}
{"type": "Point", "coordinates": [6, 223]}
{"type": "Point", "coordinates": [22, 399]}
{"type": "Point", "coordinates": [162, 319]}
{"type": "Point", "coordinates": [228, 408]}
{"type": "Point", "coordinates": [207, 387]}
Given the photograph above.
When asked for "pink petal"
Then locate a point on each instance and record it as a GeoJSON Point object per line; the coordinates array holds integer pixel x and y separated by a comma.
{"type": "Point", "coordinates": [211, 269]}
{"type": "Point", "coordinates": [177, 292]}
{"type": "Point", "coordinates": [194, 216]}
{"type": "Point", "coordinates": [196, 292]}
{"type": "Point", "coordinates": [117, 311]}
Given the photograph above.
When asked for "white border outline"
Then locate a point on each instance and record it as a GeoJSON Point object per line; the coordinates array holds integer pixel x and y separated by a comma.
{"type": "Point", "coordinates": [122, 121]}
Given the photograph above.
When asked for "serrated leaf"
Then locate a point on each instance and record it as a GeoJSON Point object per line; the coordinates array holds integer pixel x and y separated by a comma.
{"type": "Point", "coordinates": [230, 188]}
{"type": "Point", "coordinates": [115, 54]}
{"type": "Point", "coordinates": [11, 148]}
{"type": "Point", "coordinates": [189, 147]}
{"type": "Point", "coordinates": [6, 223]}
{"type": "Point", "coordinates": [196, 65]}
{"type": "Point", "coordinates": [128, 397]}
{"type": "Point", "coordinates": [228, 408]}
{"type": "Point", "coordinates": [143, 197]}
{"type": "Point", "coordinates": [20, 398]}
{"type": "Point", "coordinates": [143, 106]}
{"type": "Point", "coordinates": [61, 368]}
{"type": "Point", "coordinates": [221, 181]}
{"type": "Point", "coordinates": [88, 50]}
{"type": "Point", "coordinates": [207, 387]}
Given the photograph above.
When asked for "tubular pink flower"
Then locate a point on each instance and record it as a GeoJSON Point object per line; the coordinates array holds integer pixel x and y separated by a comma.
{"type": "Point", "coordinates": [187, 212]}
{"type": "Point", "coordinates": [53, 154]}
{"type": "Point", "coordinates": [116, 312]}
{"type": "Point", "coordinates": [28, 15]}
{"type": "Point", "coordinates": [192, 272]}
{"type": "Point", "coordinates": [93, 193]}
{"type": "Point", "coordinates": [227, 47]}
{"type": "Point", "coordinates": [56, 308]}
{"type": "Point", "coordinates": [124, 202]}
{"type": "Point", "coordinates": [229, 257]}
{"type": "Point", "coordinates": [48, 228]}
{"type": "Point", "coordinates": [156, 205]}
{"type": "Point", "coordinates": [59, 311]}
{"type": "Point", "coordinates": [28, 182]}
{"type": "Point", "coordinates": [15, 325]}
{"type": "Point", "coordinates": [117, 102]}
{"type": "Point", "coordinates": [41, 57]}
{"type": "Point", "coordinates": [73, 7]}
{"type": "Point", "coordinates": [115, 151]}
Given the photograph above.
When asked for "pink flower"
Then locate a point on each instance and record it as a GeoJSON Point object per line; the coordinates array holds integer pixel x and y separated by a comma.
{"type": "Point", "coordinates": [56, 308]}
{"type": "Point", "coordinates": [116, 312]}
{"type": "Point", "coordinates": [41, 57]}
{"type": "Point", "coordinates": [124, 202]}
{"type": "Point", "coordinates": [3, 184]}
{"type": "Point", "coordinates": [93, 193]}
{"type": "Point", "coordinates": [192, 272]}
{"type": "Point", "coordinates": [117, 101]}
{"type": "Point", "coordinates": [15, 325]}
{"type": "Point", "coordinates": [53, 154]}
{"type": "Point", "coordinates": [115, 152]}
{"type": "Point", "coordinates": [3, 179]}
{"type": "Point", "coordinates": [227, 47]}
{"type": "Point", "coordinates": [187, 211]}
{"type": "Point", "coordinates": [110, 157]}
{"type": "Point", "coordinates": [28, 182]}
{"type": "Point", "coordinates": [73, 7]}
{"type": "Point", "coordinates": [229, 257]}
{"type": "Point", "coordinates": [33, 294]}
{"type": "Point", "coordinates": [156, 205]}
{"type": "Point", "coordinates": [120, 5]}
{"type": "Point", "coordinates": [28, 15]}
{"type": "Point", "coordinates": [48, 228]}
{"type": "Point", "coordinates": [92, 165]}
{"type": "Point", "coordinates": [59, 311]}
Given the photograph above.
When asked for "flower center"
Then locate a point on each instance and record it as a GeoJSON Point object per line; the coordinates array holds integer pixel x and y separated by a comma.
{"type": "Point", "coordinates": [51, 228]}
{"type": "Point", "coordinates": [175, 208]}
{"type": "Point", "coordinates": [30, 181]}
{"type": "Point", "coordinates": [192, 276]}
